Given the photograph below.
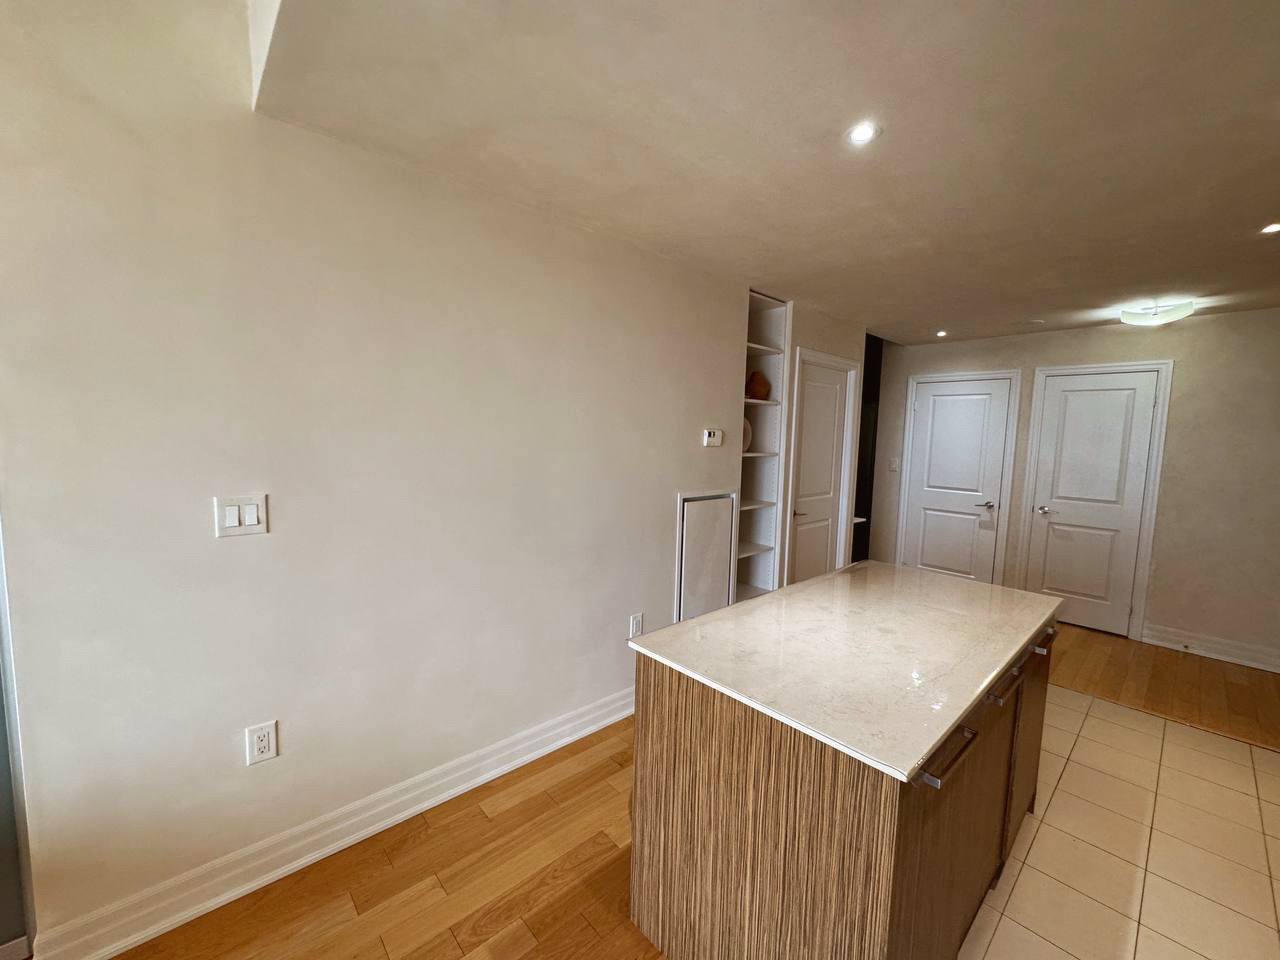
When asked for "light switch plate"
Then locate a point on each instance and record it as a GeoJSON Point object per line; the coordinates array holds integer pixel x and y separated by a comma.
{"type": "Point", "coordinates": [239, 509]}
{"type": "Point", "coordinates": [712, 437]}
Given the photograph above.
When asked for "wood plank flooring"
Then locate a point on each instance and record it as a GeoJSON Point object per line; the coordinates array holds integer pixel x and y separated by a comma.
{"type": "Point", "coordinates": [536, 864]}
{"type": "Point", "coordinates": [1225, 698]}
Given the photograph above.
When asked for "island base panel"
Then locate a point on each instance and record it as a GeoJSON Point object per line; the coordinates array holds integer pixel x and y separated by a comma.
{"type": "Point", "coordinates": [750, 838]}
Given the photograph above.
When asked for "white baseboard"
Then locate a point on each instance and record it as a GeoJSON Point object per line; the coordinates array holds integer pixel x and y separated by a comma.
{"type": "Point", "coordinates": [1219, 648]}
{"type": "Point", "coordinates": [15, 949]}
{"type": "Point", "coordinates": [133, 920]}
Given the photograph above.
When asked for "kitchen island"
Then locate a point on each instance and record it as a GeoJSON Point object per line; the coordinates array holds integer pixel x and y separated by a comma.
{"type": "Point", "coordinates": [837, 769]}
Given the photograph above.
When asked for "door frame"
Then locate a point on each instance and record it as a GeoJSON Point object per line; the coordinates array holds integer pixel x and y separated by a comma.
{"type": "Point", "coordinates": [681, 499]}
{"type": "Point", "coordinates": [1006, 468]}
{"type": "Point", "coordinates": [1151, 489]}
{"type": "Point", "coordinates": [852, 409]}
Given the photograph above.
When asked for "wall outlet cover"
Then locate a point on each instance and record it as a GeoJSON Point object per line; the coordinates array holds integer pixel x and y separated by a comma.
{"type": "Point", "coordinates": [636, 626]}
{"type": "Point", "coordinates": [259, 743]}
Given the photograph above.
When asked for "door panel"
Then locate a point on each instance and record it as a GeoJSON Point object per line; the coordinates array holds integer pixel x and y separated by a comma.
{"type": "Point", "coordinates": [820, 435]}
{"type": "Point", "coordinates": [706, 548]}
{"type": "Point", "coordinates": [1095, 438]}
{"type": "Point", "coordinates": [957, 443]}
{"type": "Point", "coordinates": [949, 541]}
{"type": "Point", "coordinates": [957, 465]}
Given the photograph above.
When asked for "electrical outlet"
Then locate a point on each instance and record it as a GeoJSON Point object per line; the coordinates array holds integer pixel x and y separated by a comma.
{"type": "Point", "coordinates": [259, 743]}
{"type": "Point", "coordinates": [636, 626]}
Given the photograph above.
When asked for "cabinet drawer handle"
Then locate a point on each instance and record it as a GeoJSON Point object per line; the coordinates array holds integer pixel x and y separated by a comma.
{"type": "Point", "coordinates": [1046, 641]}
{"type": "Point", "coordinates": [970, 737]}
{"type": "Point", "coordinates": [1001, 698]}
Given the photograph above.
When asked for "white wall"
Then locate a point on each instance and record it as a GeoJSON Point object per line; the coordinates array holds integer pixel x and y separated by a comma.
{"type": "Point", "coordinates": [1215, 572]}
{"type": "Point", "coordinates": [472, 422]}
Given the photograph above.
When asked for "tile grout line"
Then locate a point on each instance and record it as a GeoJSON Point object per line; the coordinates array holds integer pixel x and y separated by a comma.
{"type": "Point", "coordinates": [1266, 847]}
{"type": "Point", "coordinates": [1089, 843]}
{"type": "Point", "coordinates": [1243, 866]}
{"type": "Point", "coordinates": [1180, 886]}
{"type": "Point", "coordinates": [1076, 736]}
{"type": "Point", "coordinates": [1257, 797]}
{"type": "Point", "coordinates": [1044, 939]}
{"type": "Point", "coordinates": [1001, 914]}
{"type": "Point", "coordinates": [1087, 896]}
{"type": "Point", "coordinates": [1095, 803]}
{"type": "Point", "coordinates": [1112, 775]}
{"type": "Point", "coordinates": [1146, 866]}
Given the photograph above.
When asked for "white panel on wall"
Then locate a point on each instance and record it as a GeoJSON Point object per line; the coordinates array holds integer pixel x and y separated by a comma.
{"type": "Point", "coordinates": [706, 546]}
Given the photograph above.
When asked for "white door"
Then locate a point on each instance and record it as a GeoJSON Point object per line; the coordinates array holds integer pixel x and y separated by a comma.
{"type": "Point", "coordinates": [706, 555]}
{"type": "Point", "coordinates": [953, 508]}
{"type": "Point", "coordinates": [1090, 479]}
{"type": "Point", "coordinates": [822, 395]}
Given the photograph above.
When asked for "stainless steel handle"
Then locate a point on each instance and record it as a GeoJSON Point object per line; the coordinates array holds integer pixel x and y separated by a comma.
{"type": "Point", "coordinates": [990, 504]}
{"type": "Point", "coordinates": [1046, 641]}
{"type": "Point", "coordinates": [1044, 511]}
{"type": "Point", "coordinates": [1001, 698]}
{"type": "Point", "coordinates": [937, 781]}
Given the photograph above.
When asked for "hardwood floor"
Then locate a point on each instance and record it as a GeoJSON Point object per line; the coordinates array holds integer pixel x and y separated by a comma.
{"type": "Point", "coordinates": [1226, 698]}
{"type": "Point", "coordinates": [536, 864]}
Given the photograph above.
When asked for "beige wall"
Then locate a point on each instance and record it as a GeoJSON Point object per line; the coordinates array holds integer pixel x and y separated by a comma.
{"type": "Point", "coordinates": [816, 330]}
{"type": "Point", "coordinates": [1216, 562]}
{"type": "Point", "coordinates": [472, 421]}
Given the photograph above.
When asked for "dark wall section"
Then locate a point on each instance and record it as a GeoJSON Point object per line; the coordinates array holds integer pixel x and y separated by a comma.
{"type": "Point", "coordinates": [867, 421]}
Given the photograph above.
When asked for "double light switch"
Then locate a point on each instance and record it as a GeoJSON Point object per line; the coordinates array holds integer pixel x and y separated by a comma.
{"type": "Point", "coordinates": [239, 516]}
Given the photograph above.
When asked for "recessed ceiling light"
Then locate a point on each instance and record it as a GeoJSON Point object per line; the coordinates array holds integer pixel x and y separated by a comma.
{"type": "Point", "coordinates": [1271, 228]}
{"type": "Point", "coordinates": [863, 132]}
{"type": "Point", "coordinates": [1157, 315]}
{"type": "Point", "coordinates": [941, 333]}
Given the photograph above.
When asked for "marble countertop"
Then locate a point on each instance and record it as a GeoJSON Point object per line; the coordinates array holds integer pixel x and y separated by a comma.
{"type": "Point", "coordinates": [879, 661]}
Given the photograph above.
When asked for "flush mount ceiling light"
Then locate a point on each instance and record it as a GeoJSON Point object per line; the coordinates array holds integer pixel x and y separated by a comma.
{"type": "Point", "coordinates": [862, 133]}
{"type": "Point", "coordinates": [941, 333]}
{"type": "Point", "coordinates": [1157, 314]}
{"type": "Point", "coordinates": [1271, 228]}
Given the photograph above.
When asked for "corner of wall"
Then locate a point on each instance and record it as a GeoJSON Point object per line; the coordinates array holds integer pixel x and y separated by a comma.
{"type": "Point", "coordinates": [262, 27]}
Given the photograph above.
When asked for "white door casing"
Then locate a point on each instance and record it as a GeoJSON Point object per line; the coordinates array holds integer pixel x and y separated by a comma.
{"type": "Point", "coordinates": [1090, 470]}
{"type": "Point", "coordinates": [822, 462]}
{"type": "Point", "coordinates": [956, 476]}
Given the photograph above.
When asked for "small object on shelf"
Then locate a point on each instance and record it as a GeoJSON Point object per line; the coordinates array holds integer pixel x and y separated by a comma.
{"type": "Point", "coordinates": [758, 386]}
{"type": "Point", "coordinates": [746, 434]}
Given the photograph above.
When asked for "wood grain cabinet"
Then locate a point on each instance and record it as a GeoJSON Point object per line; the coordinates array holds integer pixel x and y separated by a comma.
{"type": "Point", "coordinates": [1032, 693]}
{"type": "Point", "coordinates": [753, 840]}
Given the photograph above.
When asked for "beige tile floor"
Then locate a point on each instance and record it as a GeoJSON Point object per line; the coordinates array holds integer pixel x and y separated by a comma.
{"type": "Point", "coordinates": [1150, 841]}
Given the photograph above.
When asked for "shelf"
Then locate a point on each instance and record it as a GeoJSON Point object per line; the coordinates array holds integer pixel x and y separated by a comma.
{"type": "Point", "coordinates": [760, 350]}
{"type": "Point", "coordinates": [749, 504]}
{"type": "Point", "coordinates": [749, 591]}
{"type": "Point", "coordinates": [748, 549]}
{"type": "Point", "coordinates": [761, 403]}
{"type": "Point", "coordinates": [752, 453]}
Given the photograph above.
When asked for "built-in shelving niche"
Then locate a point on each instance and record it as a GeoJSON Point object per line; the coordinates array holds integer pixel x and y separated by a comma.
{"type": "Point", "coordinates": [760, 526]}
